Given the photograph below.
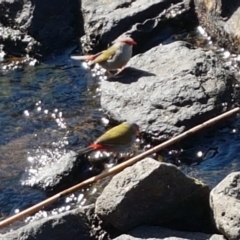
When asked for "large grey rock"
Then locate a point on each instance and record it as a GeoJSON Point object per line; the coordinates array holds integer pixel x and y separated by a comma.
{"type": "Point", "coordinates": [225, 204]}
{"type": "Point", "coordinates": [155, 193]}
{"type": "Point", "coordinates": [168, 89]}
{"type": "Point", "coordinates": [153, 233]}
{"type": "Point", "coordinates": [69, 225]}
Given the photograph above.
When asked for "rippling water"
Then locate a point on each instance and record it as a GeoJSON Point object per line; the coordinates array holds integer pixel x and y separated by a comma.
{"type": "Point", "coordinates": [39, 107]}
{"type": "Point", "coordinates": [51, 108]}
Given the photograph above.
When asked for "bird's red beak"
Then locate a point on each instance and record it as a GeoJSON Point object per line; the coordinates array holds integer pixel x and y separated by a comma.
{"type": "Point", "coordinates": [128, 40]}
{"type": "Point", "coordinates": [132, 42]}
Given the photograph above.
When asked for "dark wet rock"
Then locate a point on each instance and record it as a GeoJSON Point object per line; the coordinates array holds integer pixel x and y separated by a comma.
{"type": "Point", "coordinates": [224, 201]}
{"type": "Point", "coordinates": [27, 27]}
{"type": "Point", "coordinates": [69, 225]}
{"type": "Point", "coordinates": [16, 42]}
{"type": "Point", "coordinates": [221, 20]}
{"type": "Point", "coordinates": [168, 89]}
{"type": "Point", "coordinates": [152, 233]}
{"type": "Point", "coordinates": [69, 170]}
{"type": "Point", "coordinates": [150, 192]}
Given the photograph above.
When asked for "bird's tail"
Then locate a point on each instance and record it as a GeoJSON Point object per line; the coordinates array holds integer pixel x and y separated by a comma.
{"type": "Point", "coordinates": [85, 150]}
{"type": "Point", "coordinates": [91, 148]}
{"type": "Point", "coordinates": [86, 57]}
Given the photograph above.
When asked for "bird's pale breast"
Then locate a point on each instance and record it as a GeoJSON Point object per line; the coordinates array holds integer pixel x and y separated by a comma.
{"type": "Point", "coordinates": [120, 59]}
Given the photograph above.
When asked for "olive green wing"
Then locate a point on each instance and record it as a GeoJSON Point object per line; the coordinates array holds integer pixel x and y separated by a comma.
{"type": "Point", "coordinates": [106, 55]}
{"type": "Point", "coordinates": [118, 135]}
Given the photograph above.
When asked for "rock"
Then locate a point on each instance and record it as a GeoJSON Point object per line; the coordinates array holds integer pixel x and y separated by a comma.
{"type": "Point", "coordinates": [154, 193]}
{"type": "Point", "coordinates": [72, 225]}
{"type": "Point", "coordinates": [32, 23]}
{"type": "Point", "coordinates": [69, 170]}
{"type": "Point", "coordinates": [53, 20]}
{"type": "Point", "coordinates": [225, 204]}
{"type": "Point", "coordinates": [153, 233]}
{"type": "Point", "coordinates": [168, 89]}
{"type": "Point", "coordinates": [147, 22]}
{"type": "Point", "coordinates": [109, 19]}
{"type": "Point", "coordinates": [221, 20]}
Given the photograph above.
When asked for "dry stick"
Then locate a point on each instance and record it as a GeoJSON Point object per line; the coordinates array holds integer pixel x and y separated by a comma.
{"type": "Point", "coordinates": [115, 169]}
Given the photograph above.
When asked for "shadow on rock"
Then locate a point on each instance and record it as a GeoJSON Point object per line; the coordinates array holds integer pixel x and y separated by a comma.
{"type": "Point", "coordinates": [129, 75]}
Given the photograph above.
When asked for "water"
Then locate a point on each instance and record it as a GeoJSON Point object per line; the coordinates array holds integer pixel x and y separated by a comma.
{"type": "Point", "coordinates": [214, 154]}
{"type": "Point", "coordinates": [44, 111]}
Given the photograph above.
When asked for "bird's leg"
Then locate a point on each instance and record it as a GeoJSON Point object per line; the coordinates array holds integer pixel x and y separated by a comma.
{"type": "Point", "coordinates": [110, 75]}
{"type": "Point", "coordinates": [119, 70]}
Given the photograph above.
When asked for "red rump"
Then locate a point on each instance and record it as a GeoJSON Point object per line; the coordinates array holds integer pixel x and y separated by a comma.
{"type": "Point", "coordinates": [96, 146]}
{"type": "Point", "coordinates": [90, 57]}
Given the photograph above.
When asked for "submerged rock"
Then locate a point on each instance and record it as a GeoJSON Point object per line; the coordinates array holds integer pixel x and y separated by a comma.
{"type": "Point", "coordinates": [153, 233]}
{"type": "Point", "coordinates": [69, 225]}
{"type": "Point", "coordinates": [69, 170]}
{"type": "Point", "coordinates": [168, 89]}
{"type": "Point", "coordinates": [150, 192]}
{"type": "Point", "coordinates": [225, 203]}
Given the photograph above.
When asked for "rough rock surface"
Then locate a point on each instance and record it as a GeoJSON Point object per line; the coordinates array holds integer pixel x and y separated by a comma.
{"type": "Point", "coordinates": [221, 20]}
{"type": "Point", "coordinates": [154, 193]}
{"type": "Point", "coordinates": [153, 233]}
{"type": "Point", "coordinates": [69, 225]}
{"type": "Point", "coordinates": [225, 203]}
{"type": "Point", "coordinates": [109, 19]}
{"type": "Point", "coordinates": [69, 170]}
{"type": "Point", "coordinates": [168, 89]}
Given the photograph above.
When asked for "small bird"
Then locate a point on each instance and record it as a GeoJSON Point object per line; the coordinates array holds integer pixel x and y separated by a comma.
{"type": "Point", "coordinates": [114, 58]}
{"type": "Point", "coordinates": [116, 139]}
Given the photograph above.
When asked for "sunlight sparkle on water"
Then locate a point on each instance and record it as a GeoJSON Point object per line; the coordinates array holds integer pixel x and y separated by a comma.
{"type": "Point", "coordinates": [60, 114]}
{"type": "Point", "coordinates": [94, 190]}
{"type": "Point", "coordinates": [83, 202]}
{"type": "Point", "coordinates": [80, 197]}
{"type": "Point", "coordinates": [103, 78]}
{"type": "Point", "coordinates": [16, 211]}
{"type": "Point", "coordinates": [54, 146]}
{"type": "Point", "coordinates": [26, 113]}
{"type": "Point", "coordinates": [201, 31]}
{"type": "Point", "coordinates": [34, 62]}
{"type": "Point", "coordinates": [39, 109]}
{"type": "Point", "coordinates": [199, 154]}
{"type": "Point", "coordinates": [38, 103]}
{"type": "Point", "coordinates": [226, 54]}
{"type": "Point", "coordinates": [105, 121]}
{"type": "Point", "coordinates": [30, 159]}
{"type": "Point", "coordinates": [85, 65]}
{"type": "Point", "coordinates": [210, 43]}
{"type": "Point", "coordinates": [98, 90]}
{"type": "Point", "coordinates": [68, 207]}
